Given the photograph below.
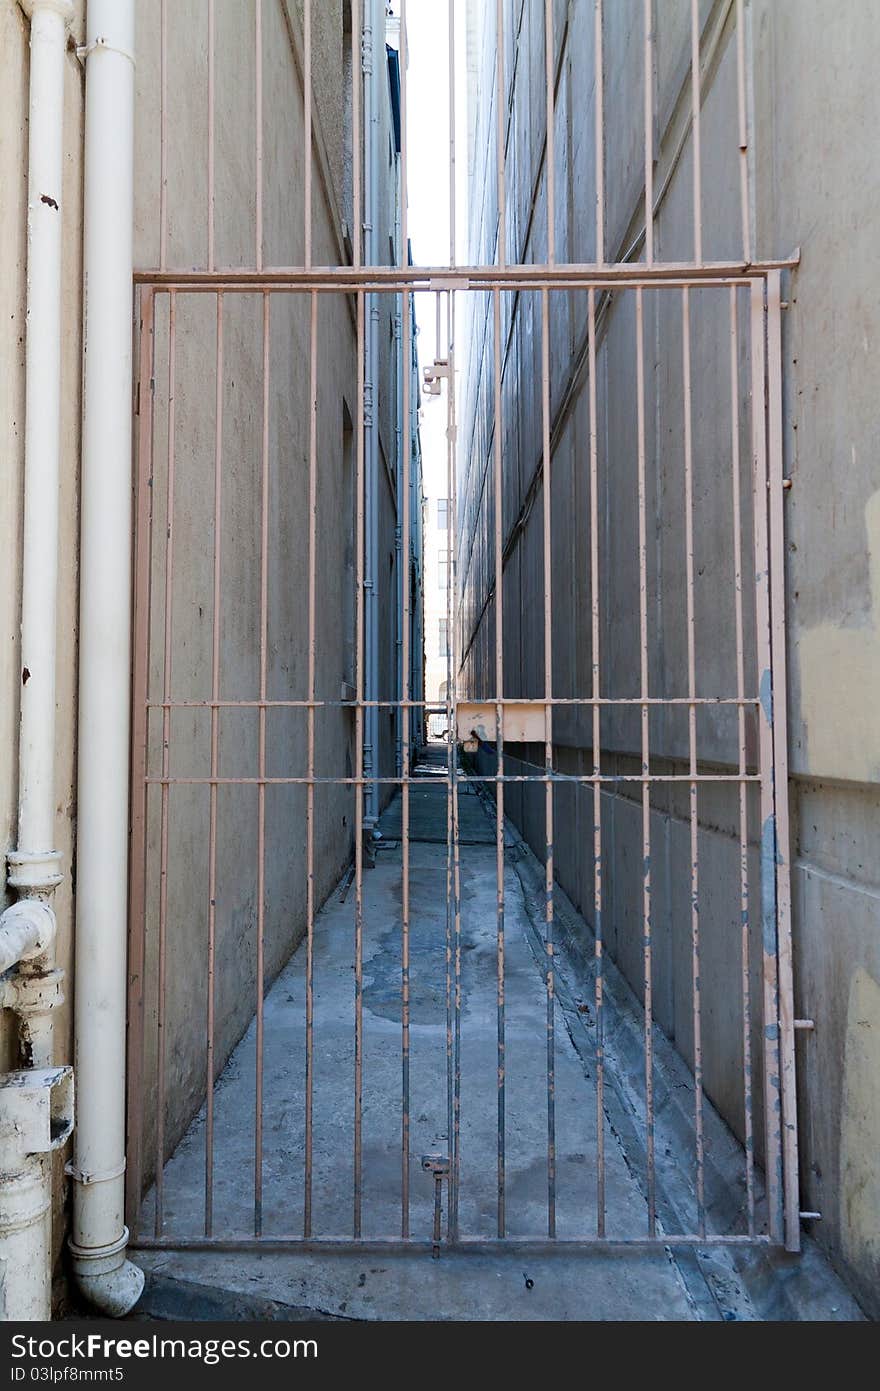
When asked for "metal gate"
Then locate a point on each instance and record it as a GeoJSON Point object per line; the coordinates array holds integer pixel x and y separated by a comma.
{"type": "Point", "coordinates": [216, 534]}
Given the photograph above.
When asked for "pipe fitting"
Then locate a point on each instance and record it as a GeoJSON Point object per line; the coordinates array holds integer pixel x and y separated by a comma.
{"type": "Point", "coordinates": [36, 1112]}
{"type": "Point", "coordinates": [105, 1278]}
{"type": "Point", "coordinates": [63, 8]}
{"type": "Point", "coordinates": [27, 930]}
{"type": "Point", "coordinates": [36, 1117]}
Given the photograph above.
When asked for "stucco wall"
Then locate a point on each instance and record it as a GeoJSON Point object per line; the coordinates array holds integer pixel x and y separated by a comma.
{"type": "Point", "coordinates": [811, 163]}
{"type": "Point", "coordinates": [191, 595]}
{"type": "Point", "coordinates": [186, 246]}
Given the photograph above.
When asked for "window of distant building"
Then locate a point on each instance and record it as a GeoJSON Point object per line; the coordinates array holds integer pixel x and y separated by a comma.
{"type": "Point", "coordinates": [443, 514]}
{"type": "Point", "coordinates": [443, 572]}
{"type": "Point", "coordinates": [442, 638]}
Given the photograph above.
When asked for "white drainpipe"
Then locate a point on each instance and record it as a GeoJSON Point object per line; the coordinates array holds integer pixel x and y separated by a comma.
{"type": "Point", "coordinates": [30, 985]}
{"type": "Point", "coordinates": [99, 1239]}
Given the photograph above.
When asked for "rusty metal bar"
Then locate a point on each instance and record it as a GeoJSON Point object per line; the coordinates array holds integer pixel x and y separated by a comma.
{"type": "Point", "coordinates": [772, 1105]}
{"type": "Point", "coordinates": [307, 131]}
{"type": "Point", "coordinates": [599, 116]}
{"type": "Point", "coordinates": [537, 1246]}
{"type": "Point", "coordinates": [649, 129]}
{"type": "Point", "coordinates": [211, 130]}
{"type": "Point", "coordinates": [258, 133]}
{"type": "Point", "coordinates": [696, 103]}
{"type": "Point", "coordinates": [261, 782]}
{"type": "Point", "coordinates": [450, 756]}
{"type": "Point", "coordinates": [550, 119]}
{"type": "Point", "coordinates": [745, 915]}
{"type": "Point", "coordinates": [646, 771]}
{"type": "Point", "coordinates": [215, 768]}
{"type": "Point", "coordinates": [717, 779]}
{"type": "Point", "coordinates": [139, 747]}
{"type": "Point", "coordinates": [163, 134]}
{"type": "Point", "coordinates": [548, 759]}
{"type": "Point", "coordinates": [406, 721]}
{"type": "Point", "coordinates": [696, 986]}
{"type": "Point", "coordinates": [501, 131]}
{"type": "Point", "coordinates": [742, 126]}
{"type": "Point", "coordinates": [356, 150]}
{"type": "Point", "coordinates": [430, 278]}
{"type": "Point", "coordinates": [780, 764]}
{"type": "Point", "coordinates": [452, 135]}
{"type": "Point", "coordinates": [505, 701]}
{"type": "Point", "coordinates": [455, 1177]}
{"type": "Point", "coordinates": [310, 789]}
{"type": "Point", "coordinates": [450, 765]}
{"type": "Point", "coordinates": [166, 768]}
{"type": "Point", "coordinates": [359, 785]}
{"type": "Point", "coordinates": [597, 762]}
{"type": "Point", "coordinates": [405, 550]}
{"type": "Point", "coordinates": [499, 745]}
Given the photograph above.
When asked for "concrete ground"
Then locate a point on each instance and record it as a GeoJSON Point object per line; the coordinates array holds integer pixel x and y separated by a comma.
{"type": "Point", "coordinates": [627, 1283]}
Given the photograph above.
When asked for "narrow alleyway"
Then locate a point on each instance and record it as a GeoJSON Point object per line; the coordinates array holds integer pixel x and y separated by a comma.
{"type": "Point", "coordinates": [659, 1283]}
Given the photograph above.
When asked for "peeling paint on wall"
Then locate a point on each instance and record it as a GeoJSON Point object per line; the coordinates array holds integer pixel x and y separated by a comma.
{"type": "Point", "coordinates": [839, 679]}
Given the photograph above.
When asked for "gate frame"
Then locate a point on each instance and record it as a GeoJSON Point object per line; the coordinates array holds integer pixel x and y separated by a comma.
{"type": "Point", "coordinates": [764, 280]}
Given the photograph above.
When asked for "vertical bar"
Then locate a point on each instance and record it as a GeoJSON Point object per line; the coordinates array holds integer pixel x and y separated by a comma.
{"type": "Point", "coordinates": [163, 135]}
{"type": "Point", "coordinates": [599, 113]}
{"type": "Point", "coordinates": [166, 769]}
{"type": "Point", "coordinates": [501, 132]}
{"type": "Point", "coordinates": [456, 859]}
{"type": "Point", "coordinates": [780, 762]}
{"type": "Point", "coordinates": [742, 123]}
{"type": "Point", "coordinates": [215, 769]}
{"type": "Point", "coordinates": [745, 951]}
{"type": "Point", "coordinates": [550, 117]}
{"type": "Point", "coordinates": [548, 767]}
{"type": "Point", "coordinates": [258, 143]}
{"type": "Point", "coordinates": [261, 789]}
{"type": "Point", "coordinates": [307, 129]}
{"type": "Point", "coordinates": [450, 761]}
{"type": "Point", "coordinates": [597, 759]}
{"type": "Point", "coordinates": [772, 1104]}
{"type": "Point", "coordinates": [406, 342]}
{"type": "Point", "coordinates": [356, 151]}
{"type": "Point", "coordinates": [404, 182]}
{"type": "Point", "coordinates": [696, 103]}
{"type": "Point", "coordinates": [452, 168]}
{"type": "Point", "coordinates": [646, 770]}
{"type": "Point", "coordinates": [359, 791]}
{"type": "Point", "coordinates": [139, 742]}
{"type": "Point", "coordinates": [649, 131]}
{"type": "Point", "coordinates": [499, 744]}
{"type": "Point", "coordinates": [692, 754]}
{"type": "Point", "coordinates": [310, 735]}
{"type": "Point", "coordinates": [211, 133]}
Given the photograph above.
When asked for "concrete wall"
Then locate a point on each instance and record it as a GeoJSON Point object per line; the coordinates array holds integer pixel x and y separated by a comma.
{"type": "Point", "coordinates": [813, 97]}
{"type": "Point", "coordinates": [191, 595]}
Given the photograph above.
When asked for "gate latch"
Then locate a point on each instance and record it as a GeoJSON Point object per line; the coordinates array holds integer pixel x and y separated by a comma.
{"type": "Point", "coordinates": [432, 376]}
{"type": "Point", "coordinates": [438, 1165]}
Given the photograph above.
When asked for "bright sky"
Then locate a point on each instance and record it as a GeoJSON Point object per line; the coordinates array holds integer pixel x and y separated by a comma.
{"type": "Point", "coordinates": [428, 164]}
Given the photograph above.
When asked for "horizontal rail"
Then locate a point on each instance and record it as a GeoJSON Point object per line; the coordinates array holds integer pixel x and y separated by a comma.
{"type": "Point", "coordinates": [688, 778]}
{"type": "Point", "coordinates": [432, 279]}
{"type": "Point", "coordinates": [537, 1246]}
{"type": "Point", "coordinates": [539, 702]}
